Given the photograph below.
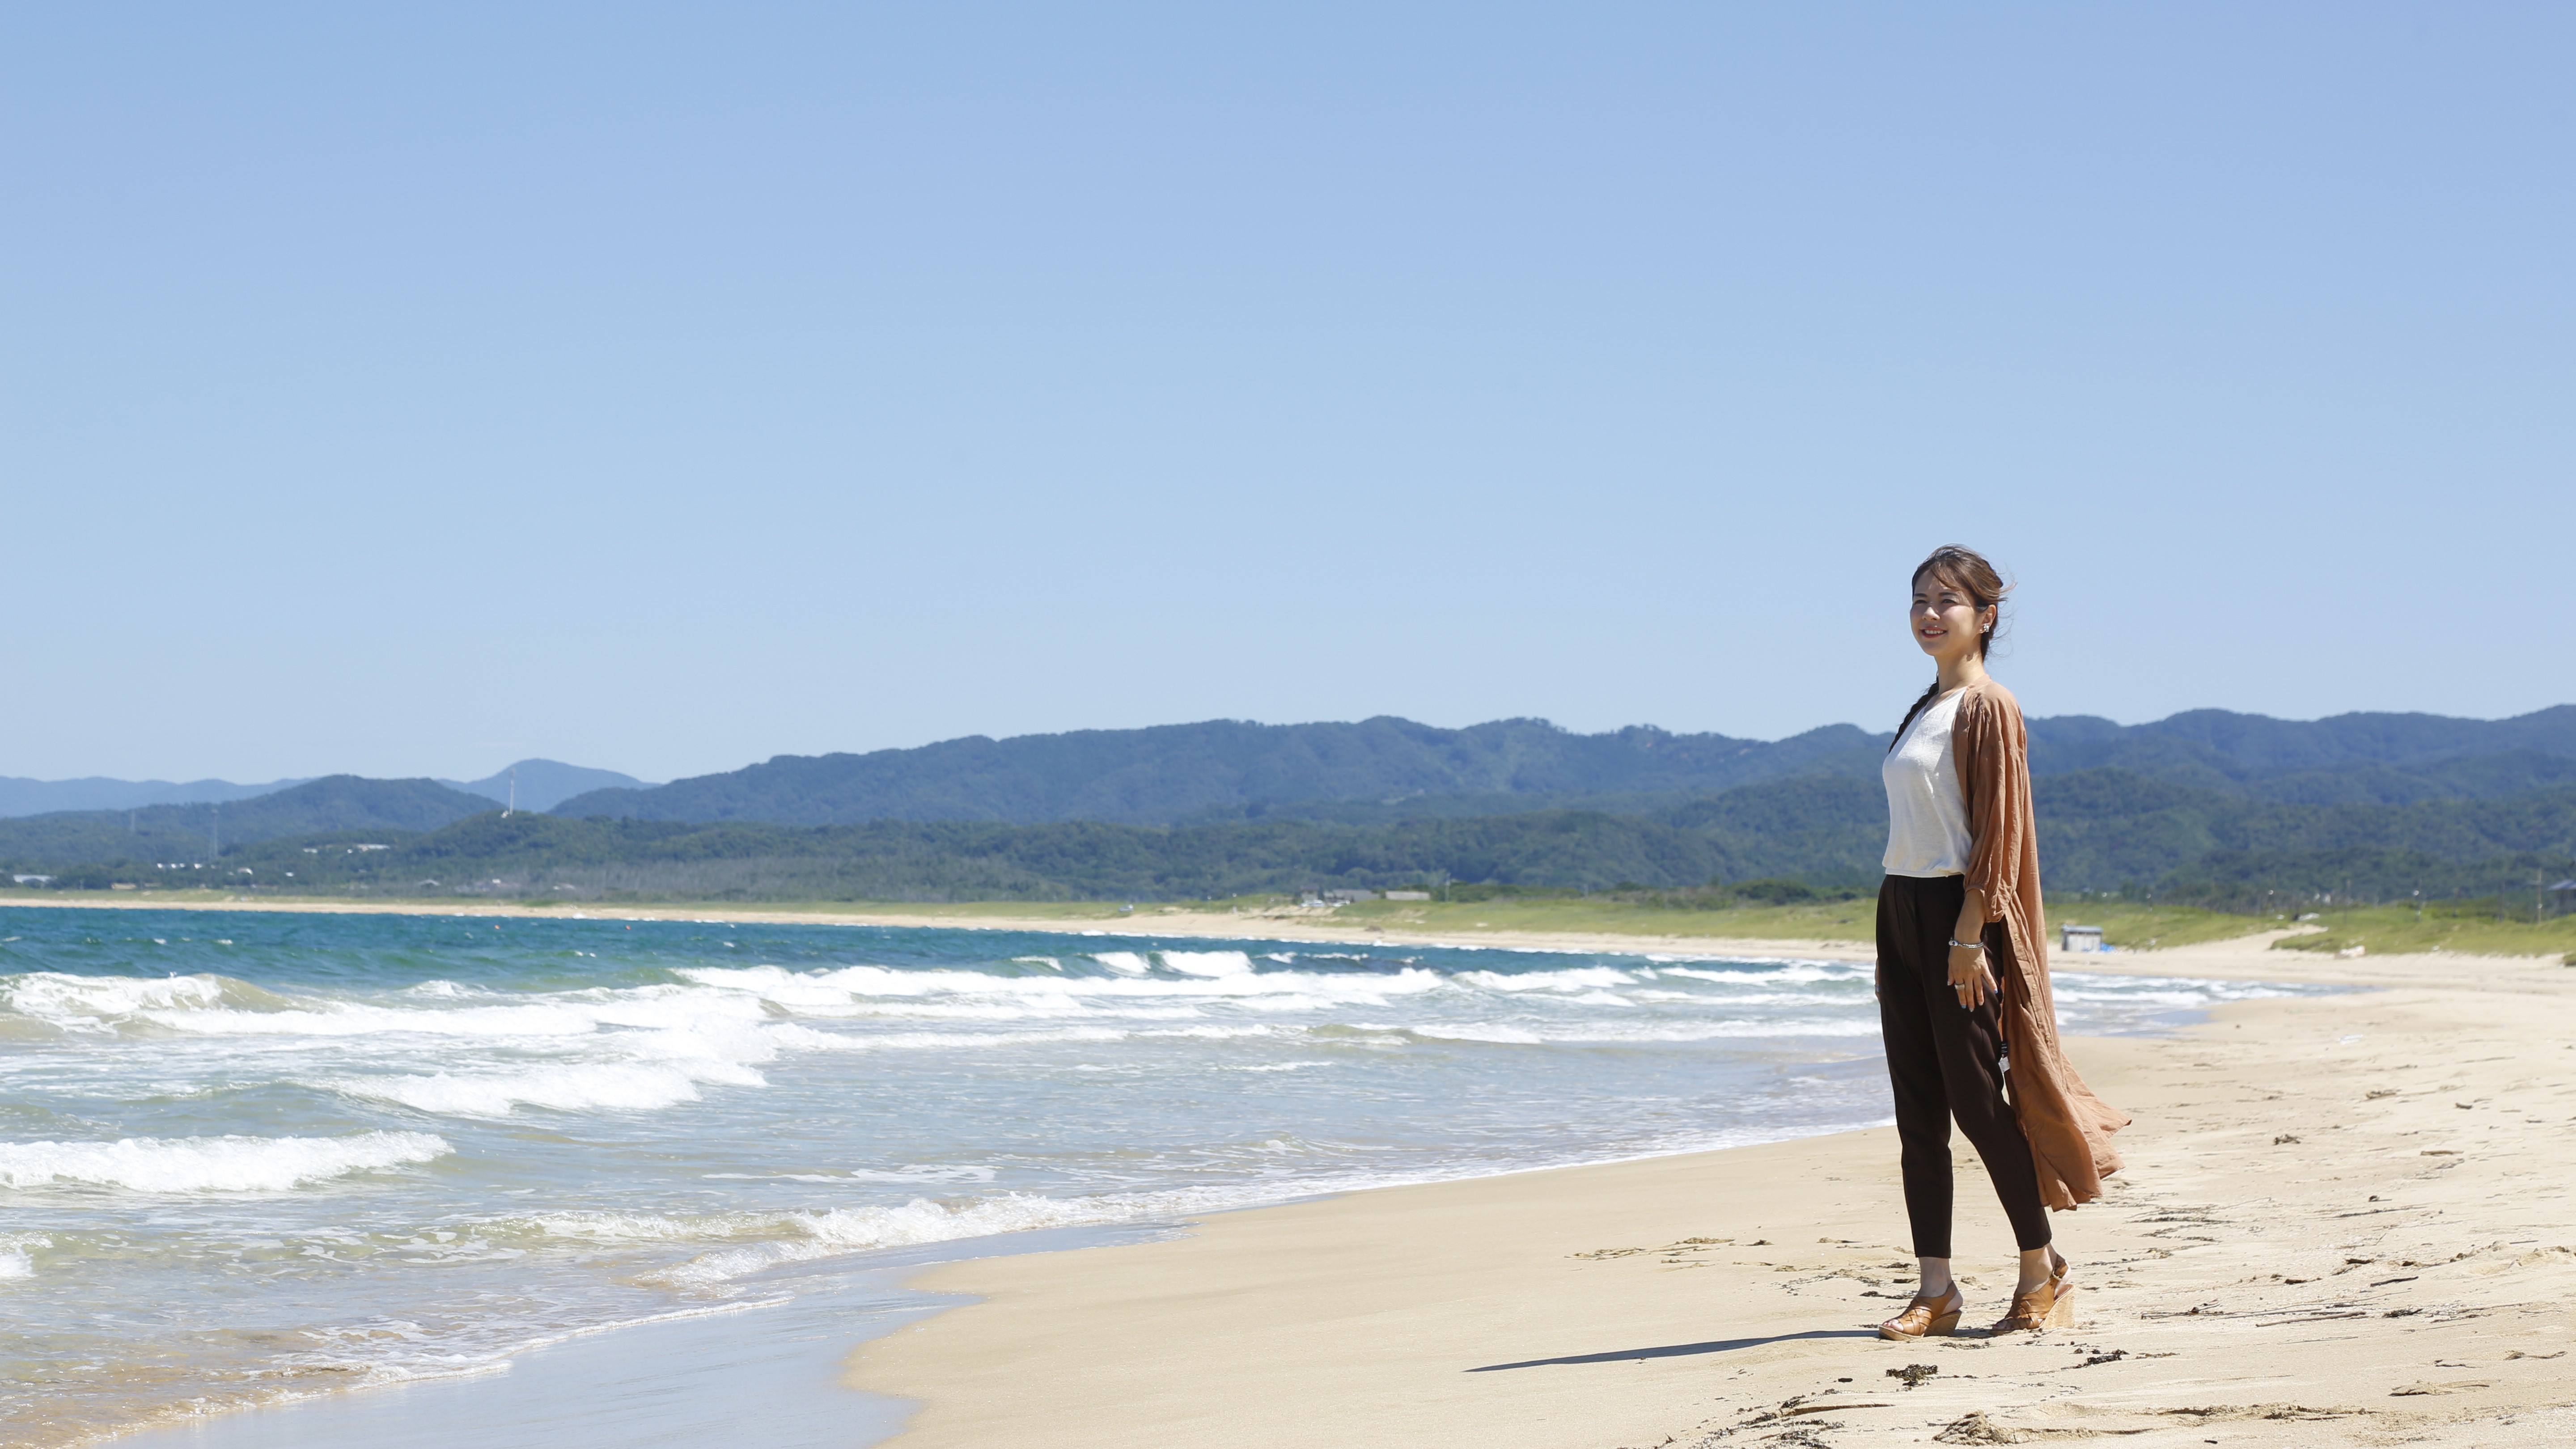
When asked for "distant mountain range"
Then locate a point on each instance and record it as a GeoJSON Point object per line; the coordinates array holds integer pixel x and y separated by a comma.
{"type": "Point", "coordinates": [2215, 805]}
{"type": "Point", "coordinates": [2100, 829]}
{"type": "Point", "coordinates": [197, 835]}
{"type": "Point", "coordinates": [1220, 769]}
{"type": "Point", "coordinates": [542, 785]}
{"type": "Point", "coordinates": [44, 797]}
{"type": "Point", "coordinates": [1387, 768]}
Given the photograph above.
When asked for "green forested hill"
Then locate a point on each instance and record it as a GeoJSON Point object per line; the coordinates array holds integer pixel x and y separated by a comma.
{"type": "Point", "coordinates": [193, 833]}
{"type": "Point", "coordinates": [2100, 829]}
{"type": "Point", "coordinates": [2221, 807]}
{"type": "Point", "coordinates": [2463, 777]}
{"type": "Point", "coordinates": [1228, 768]}
{"type": "Point", "coordinates": [2260, 745]}
{"type": "Point", "coordinates": [903, 860]}
{"type": "Point", "coordinates": [1386, 769]}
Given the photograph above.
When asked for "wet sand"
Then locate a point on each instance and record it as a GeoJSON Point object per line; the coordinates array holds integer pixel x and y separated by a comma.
{"type": "Point", "coordinates": [2344, 1220]}
{"type": "Point", "coordinates": [684, 1383]}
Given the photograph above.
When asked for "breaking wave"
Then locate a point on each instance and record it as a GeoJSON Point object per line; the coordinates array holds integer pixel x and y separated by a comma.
{"type": "Point", "coordinates": [212, 1164]}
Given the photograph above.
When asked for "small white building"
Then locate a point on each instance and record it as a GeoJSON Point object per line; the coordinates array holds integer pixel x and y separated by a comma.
{"type": "Point", "coordinates": [2083, 940]}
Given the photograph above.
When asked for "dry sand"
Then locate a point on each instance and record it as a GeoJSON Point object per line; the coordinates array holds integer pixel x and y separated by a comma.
{"type": "Point", "coordinates": [2344, 1220]}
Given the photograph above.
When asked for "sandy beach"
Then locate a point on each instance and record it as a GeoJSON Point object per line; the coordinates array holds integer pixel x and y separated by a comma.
{"type": "Point", "coordinates": [2343, 1220]}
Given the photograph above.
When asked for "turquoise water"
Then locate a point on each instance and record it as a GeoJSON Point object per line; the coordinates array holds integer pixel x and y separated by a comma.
{"type": "Point", "coordinates": [248, 1156]}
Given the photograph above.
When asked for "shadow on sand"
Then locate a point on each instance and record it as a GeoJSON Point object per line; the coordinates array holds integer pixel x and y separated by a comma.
{"type": "Point", "coordinates": [1678, 1350]}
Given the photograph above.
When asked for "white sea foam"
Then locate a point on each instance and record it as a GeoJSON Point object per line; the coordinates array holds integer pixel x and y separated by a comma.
{"type": "Point", "coordinates": [1737, 1000]}
{"type": "Point", "coordinates": [770, 1240]}
{"type": "Point", "coordinates": [1793, 973]}
{"type": "Point", "coordinates": [1606, 1033]}
{"type": "Point", "coordinates": [393, 1352]}
{"type": "Point", "coordinates": [1214, 976]}
{"type": "Point", "coordinates": [1596, 1032]}
{"type": "Point", "coordinates": [212, 1164]}
{"type": "Point", "coordinates": [1043, 1036]}
{"type": "Point", "coordinates": [91, 1002]}
{"type": "Point", "coordinates": [213, 1006]}
{"type": "Point", "coordinates": [453, 1049]}
{"type": "Point", "coordinates": [2181, 990]}
{"type": "Point", "coordinates": [1510, 1035]}
{"type": "Point", "coordinates": [16, 1261]}
{"type": "Point", "coordinates": [349, 1019]}
{"type": "Point", "coordinates": [1578, 979]}
{"type": "Point", "coordinates": [649, 1071]}
{"type": "Point", "coordinates": [626, 1070]}
{"type": "Point", "coordinates": [592, 1087]}
{"type": "Point", "coordinates": [1207, 963]}
{"type": "Point", "coordinates": [918, 1173]}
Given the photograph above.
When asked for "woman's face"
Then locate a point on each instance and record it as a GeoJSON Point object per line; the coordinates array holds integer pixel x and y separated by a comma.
{"type": "Point", "coordinates": [1945, 620]}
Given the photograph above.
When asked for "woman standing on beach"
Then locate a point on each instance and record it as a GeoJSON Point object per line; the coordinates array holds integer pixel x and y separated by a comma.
{"type": "Point", "coordinates": [1963, 996]}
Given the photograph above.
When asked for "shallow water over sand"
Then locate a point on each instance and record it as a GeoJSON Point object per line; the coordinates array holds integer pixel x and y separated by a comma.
{"type": "Point", "coordinates": [251, 1156]}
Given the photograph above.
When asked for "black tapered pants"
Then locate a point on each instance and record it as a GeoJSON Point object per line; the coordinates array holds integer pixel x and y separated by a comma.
{"type": "Point", "coordinates": [1946, 1061]}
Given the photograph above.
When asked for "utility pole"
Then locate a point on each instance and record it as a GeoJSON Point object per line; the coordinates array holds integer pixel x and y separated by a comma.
{"type": "Point", "coordinates": [215, 833]}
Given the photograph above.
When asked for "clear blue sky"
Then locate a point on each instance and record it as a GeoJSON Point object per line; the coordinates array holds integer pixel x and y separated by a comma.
{"type": "Point", "coordinates": [407, 390]}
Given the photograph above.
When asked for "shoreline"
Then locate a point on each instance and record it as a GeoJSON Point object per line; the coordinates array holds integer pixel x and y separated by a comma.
{"type": "Point", "coordinates": [670, 1356]}
{"type": "Point", "coordinates": [689, 1381]}
{"type": "Point", "coordinates": [2340, 1216]}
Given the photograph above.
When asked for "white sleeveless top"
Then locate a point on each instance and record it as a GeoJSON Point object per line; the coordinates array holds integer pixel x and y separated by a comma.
{"type": "Point", "coordinates": [1927, 813]}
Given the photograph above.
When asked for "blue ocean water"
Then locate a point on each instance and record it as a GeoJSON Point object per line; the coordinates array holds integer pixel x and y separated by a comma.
{"type": "Point", "coordinates": [250, 1156]}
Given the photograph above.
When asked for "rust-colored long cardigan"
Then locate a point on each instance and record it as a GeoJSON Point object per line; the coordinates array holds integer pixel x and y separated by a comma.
{"type": "Point", "coordinates": [2068, 1127]}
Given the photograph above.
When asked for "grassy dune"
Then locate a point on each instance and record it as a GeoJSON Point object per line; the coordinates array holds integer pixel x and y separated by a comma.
{"type": "Point", "coordinates": [2384, 930]}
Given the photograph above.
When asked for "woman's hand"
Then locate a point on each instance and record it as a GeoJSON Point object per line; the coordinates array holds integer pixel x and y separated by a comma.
{"type": "Point", "coordinates": [1972, 977]}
